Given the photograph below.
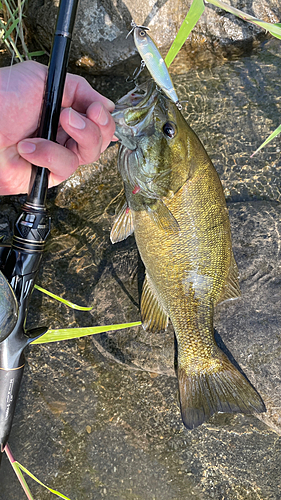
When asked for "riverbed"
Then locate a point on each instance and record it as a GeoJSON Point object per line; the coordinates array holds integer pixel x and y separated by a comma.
{"type": "Point", "coordinates": [99, 417]}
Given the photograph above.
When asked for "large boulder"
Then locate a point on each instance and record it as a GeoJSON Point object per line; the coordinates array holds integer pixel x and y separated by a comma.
{"type": "Point", "coordinates": [100, 41]}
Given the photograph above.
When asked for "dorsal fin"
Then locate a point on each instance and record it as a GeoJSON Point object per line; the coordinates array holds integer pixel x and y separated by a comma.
{"type": "Point", "coordinates": [231, 288]}
{"type": "Point", "coordinates": [153, 316]}
{"type": "Point", "coordinates": [123, 225]}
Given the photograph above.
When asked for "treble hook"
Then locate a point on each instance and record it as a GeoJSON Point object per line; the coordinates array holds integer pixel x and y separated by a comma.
{"type": "Point", "coordinates": [134, 25]}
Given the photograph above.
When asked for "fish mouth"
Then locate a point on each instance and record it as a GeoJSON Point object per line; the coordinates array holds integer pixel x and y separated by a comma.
{"type": "Point", "coordinates": [139, 96]}
{"type": "Point", "coordinates": [133, 113]}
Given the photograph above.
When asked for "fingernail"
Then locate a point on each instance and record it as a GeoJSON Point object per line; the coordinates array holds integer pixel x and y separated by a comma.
{"type": "Point", "coordinates": [75, 120]}
{"type": "Point", "coordinates": [109, 104]}
{"type": "Point", "coordinates": [102, 119]}
{"type": "Point", "coordinates": [26, 147]}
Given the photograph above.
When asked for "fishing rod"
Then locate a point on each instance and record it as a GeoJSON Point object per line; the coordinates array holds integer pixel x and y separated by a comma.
{"type": "Point", "coordinates": [20, 262]}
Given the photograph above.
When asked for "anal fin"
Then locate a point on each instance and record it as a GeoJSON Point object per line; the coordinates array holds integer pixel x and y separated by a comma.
{"type": "Point", "coordinates": [153, 316]}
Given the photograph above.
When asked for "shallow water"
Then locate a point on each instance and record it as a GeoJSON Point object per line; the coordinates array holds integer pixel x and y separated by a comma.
{"type": "Point", "coordinates": [99, 417]}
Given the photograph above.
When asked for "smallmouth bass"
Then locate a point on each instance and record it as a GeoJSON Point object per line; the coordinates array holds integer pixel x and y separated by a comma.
{"type": "Point", "coordinates": [174, 204]}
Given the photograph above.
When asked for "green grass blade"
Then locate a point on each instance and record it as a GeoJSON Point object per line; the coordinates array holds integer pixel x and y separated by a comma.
{"type": "Point", "coordinates": [74, 333]}
{"type": "Point", "coordinates": [196, 10]}
{"type": "Point", "coordinates": [14, 13]}
{"type": "Point", "coordinates": [18, 472]}
{"type": "Point", "coordinates": [9, 43]}
{"type": "Point", "coordinates": [9, 9]}
{"type": "Point", "coordinates": [274, 29]}
{"type": "Point", "coordinates": [272, 136]}
{"type": "Point", "coordinates": [66, 302]}
{"type": "Point", "coordinates": [12, 27]}
{"type": "Point", "coordinates": [22, 481]}
{"type": "Point", "coordinates": [39, 482]}
{"type": "Point", "coordinates": [37, 53]}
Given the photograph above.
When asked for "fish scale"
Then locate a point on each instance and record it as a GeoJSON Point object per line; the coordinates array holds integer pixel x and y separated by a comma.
{"type": "Point", "coordinates": [182, 230]}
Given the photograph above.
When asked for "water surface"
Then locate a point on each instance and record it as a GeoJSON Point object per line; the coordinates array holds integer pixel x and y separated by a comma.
{"type": "Point", "coordinates": [99, 417]}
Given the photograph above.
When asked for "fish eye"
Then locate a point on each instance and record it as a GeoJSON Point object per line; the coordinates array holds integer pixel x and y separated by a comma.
{"type": "Point", "coordinates": [170, 129]}
{"type": "Point", "coordinates": [142, 33]}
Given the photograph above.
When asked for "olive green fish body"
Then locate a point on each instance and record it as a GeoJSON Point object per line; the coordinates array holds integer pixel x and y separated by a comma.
{"type": "Point", "coordinates": [176, 208]}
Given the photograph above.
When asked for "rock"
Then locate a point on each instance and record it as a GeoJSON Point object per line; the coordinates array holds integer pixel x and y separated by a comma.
{"type": "Point", "coordinates": [100, 41]}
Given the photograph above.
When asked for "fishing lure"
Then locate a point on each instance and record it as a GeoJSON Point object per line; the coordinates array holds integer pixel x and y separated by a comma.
{"type": "Point", "coordinates": [153, 60]}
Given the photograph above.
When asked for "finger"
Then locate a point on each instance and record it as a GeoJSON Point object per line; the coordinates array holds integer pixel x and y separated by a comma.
{"type": "Point", "coordinates": [99, 115]}
{"type": "Point", "coordinates": [59, 160]}
{"type": "Point", "coordinates": [85, 145]}
{"type": "Point", "coordinates": [85, 138]}
{"type": "Point", "coordinates": [88, 138]}
{"type": "Point", "coordinates": [21, 90]}
{"type": "Point", "coordinates": [79, 94]}
{"type": "Point", "coordinates": [62, 136]}
{"type": "Point", "coordinates": [14, 172]}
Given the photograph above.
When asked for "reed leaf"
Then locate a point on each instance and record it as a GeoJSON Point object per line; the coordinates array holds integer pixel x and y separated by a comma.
{"type": "Point", "coordinates": [18, 472]}
{"type": "Point", "coordinates": [57, 493]}
{"type": "Point", "coordinates": [196, 10]}
{"type": "Point", "coordinates": [272, 136]}
{"type": "Point", "coordinates": [74, 333]}
{"type": "Point", "coordinates": [273, 28]}
{"type": "Point", "coordinates": [64, 301]}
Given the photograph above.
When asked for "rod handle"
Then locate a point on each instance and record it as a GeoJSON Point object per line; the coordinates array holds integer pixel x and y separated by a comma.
{"type": "Point", "coordinates": [10, 381]}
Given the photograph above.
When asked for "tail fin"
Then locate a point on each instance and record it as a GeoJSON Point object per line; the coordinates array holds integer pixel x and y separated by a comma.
{"type": "Point", "coordinates": [219, 387]}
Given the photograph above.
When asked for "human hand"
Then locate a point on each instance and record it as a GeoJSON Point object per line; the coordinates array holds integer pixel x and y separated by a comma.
{"type": "Point", "coordinates": [85, 129]}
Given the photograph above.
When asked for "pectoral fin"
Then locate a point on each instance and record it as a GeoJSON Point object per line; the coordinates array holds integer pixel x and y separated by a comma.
{"type": "Point", "coordinates": [123, 225]}
{"type": "Point", "coordinates": [163, 217]}
{"type": "Point", "coordinates": [153, 316]}
{"type": "Point", "coordinates": [231, 289]}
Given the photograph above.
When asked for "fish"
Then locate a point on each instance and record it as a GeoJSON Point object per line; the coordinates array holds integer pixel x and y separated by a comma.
{"type": "Point", "coordinates": [175, 206]}
{"type": "Point", "coordinates": [154, 61]}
